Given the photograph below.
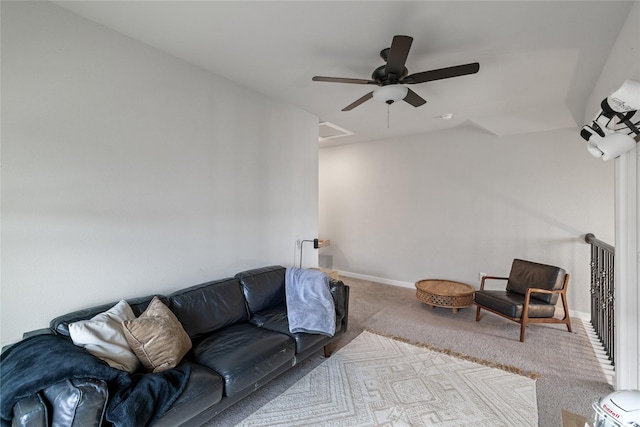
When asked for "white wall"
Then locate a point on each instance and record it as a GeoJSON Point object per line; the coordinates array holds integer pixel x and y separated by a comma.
{"type": "Point", "coordinates": [452, 204]}
{"type": "Point", "coordinates": [127, 172]}
{"type": "Point", "coordinates": [624, 64]}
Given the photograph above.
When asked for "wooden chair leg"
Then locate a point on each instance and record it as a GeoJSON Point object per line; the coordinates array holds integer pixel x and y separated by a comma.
{"type": "Point", "coordinates": [565, 306]}
{"type": "Point", "coordinates": [478, 314]}
{"type": "Point", "coordinates": [524, 319]}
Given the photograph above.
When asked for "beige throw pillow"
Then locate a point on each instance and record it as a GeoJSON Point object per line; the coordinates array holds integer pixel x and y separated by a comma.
{"type": "Point", "coordinates": [157, 337]}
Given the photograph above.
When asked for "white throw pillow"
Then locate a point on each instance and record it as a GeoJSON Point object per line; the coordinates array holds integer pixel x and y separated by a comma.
{"type": "Point", "coordinates": [103, 337]}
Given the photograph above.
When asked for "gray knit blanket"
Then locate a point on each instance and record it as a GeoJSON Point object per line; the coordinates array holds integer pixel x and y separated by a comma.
{"type": "Point", "coordinates": [310, 306]}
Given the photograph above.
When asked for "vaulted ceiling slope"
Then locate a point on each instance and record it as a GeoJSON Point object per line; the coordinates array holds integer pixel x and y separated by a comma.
{"type": "Point", "coordinates": [539, 60]}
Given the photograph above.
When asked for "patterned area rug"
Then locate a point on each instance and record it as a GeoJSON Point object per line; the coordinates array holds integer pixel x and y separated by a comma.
{"type": "Point", "coordinates": [380, 381]}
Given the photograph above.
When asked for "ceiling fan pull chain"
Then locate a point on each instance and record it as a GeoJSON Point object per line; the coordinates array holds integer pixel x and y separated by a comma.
{"type": "Point", "coordinates": [388, 108]}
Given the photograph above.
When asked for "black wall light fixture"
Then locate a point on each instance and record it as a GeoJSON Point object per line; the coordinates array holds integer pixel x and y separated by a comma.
{"type": "Point", "coordinates": [316, 245]}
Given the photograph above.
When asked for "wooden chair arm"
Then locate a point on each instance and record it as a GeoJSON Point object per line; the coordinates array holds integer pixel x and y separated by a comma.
{"type": "Point", "coordinates": [543, 291]}
{"type": "Point", "coordinates": [491, 278]}
{"type": "Point", "coordinates": [548, 291]}
{"type": "Point", "coordinates": [527, 297]}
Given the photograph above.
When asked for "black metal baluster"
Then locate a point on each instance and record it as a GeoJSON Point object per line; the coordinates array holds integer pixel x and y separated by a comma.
{"type": "Point", "coordinates": [603, 293]}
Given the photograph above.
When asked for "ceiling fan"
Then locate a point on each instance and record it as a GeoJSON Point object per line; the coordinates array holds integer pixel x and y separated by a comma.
{"type": "Point", "coordinates": [394, 75]}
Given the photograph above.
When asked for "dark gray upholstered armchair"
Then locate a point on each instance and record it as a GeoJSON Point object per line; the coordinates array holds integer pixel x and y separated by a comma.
{"type": "Point", "coordinates": [530, 296]}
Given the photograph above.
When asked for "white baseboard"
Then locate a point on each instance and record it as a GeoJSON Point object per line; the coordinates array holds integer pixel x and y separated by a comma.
{"type": "Point", "coordinates": [573, 313]}
{"type": "Point", "coordinates": [378, 279]}
{"type": "Point", "coordinates": [585, 317]}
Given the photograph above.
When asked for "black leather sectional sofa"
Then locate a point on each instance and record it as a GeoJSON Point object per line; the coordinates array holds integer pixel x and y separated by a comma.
{"type": "Point", "coordinates": [240, 341]}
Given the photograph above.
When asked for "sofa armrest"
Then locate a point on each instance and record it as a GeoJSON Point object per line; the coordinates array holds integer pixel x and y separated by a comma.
{"type": "Point", "coordinates": [30, 412]}
{"type": "Point", "coordinates": [337, 289]}
{"type": "Point", "coordinates": [43, 331]}
{"type": "Point", "coordinates": [340, 294]}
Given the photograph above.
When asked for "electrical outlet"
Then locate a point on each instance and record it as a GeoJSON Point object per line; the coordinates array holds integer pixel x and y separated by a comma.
{"type": "Point", "coordinates": [481, 275]}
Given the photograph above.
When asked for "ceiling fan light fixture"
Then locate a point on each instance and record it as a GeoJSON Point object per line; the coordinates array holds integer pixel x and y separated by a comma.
{"type": "Point", "coordinates": [390, 93]}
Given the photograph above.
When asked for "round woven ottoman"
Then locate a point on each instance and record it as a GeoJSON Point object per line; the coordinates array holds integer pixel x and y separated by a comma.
{"type": "Point", "coordinates": [445, 293]}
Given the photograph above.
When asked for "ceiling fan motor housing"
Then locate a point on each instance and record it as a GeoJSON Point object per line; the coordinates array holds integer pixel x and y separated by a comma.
{"type": "Point", "coordinates": [381, 76]}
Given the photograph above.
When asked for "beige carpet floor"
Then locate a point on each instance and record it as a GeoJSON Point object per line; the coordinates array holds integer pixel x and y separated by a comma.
{"type": "Point", "coordinates": [570, 376]}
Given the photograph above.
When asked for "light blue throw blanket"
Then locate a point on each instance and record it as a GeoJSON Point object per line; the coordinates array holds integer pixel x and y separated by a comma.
{"type": "Point", "coordinates": [310, 306]}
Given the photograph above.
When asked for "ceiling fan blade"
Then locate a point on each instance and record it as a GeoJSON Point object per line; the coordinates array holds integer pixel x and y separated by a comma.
{"type": "Point", "coordinates": [442, 73]}
{"type": "Point", "coordinates": [343, 80]}
{"type": "Point", "coordinates": [414, 99]}
{"type": "Point", "coordinates": [398, 54]}
{"type": "Point", "coordinates": [358, 102]}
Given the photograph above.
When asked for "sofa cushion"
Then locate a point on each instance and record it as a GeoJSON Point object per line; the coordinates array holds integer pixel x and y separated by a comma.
{"type": "Point", "coordinates": [204, 389]}
{"type": "Point", "coordinates": [157, 338]}
{"type": "Point", "coordinates": [275, 319]}
{"type": "Point", "coordinates": [512, 304]}
{"type": "Point", "coordinates": [527, 274]}
{"type": "Point", "coordinates": [263, 287]}
{"type": "Point", "coordinates": [77, 402]}
{"type": "Point", "coordinates": [208, 307]}
{"type": "Point", "coordinates": [243, 354]}
{"type": "Point", "coordinates": [102, 336]}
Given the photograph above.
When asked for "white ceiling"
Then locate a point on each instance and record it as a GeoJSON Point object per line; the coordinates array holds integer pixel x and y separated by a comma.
{"type": "Point", "coordinates": [539, 60]}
